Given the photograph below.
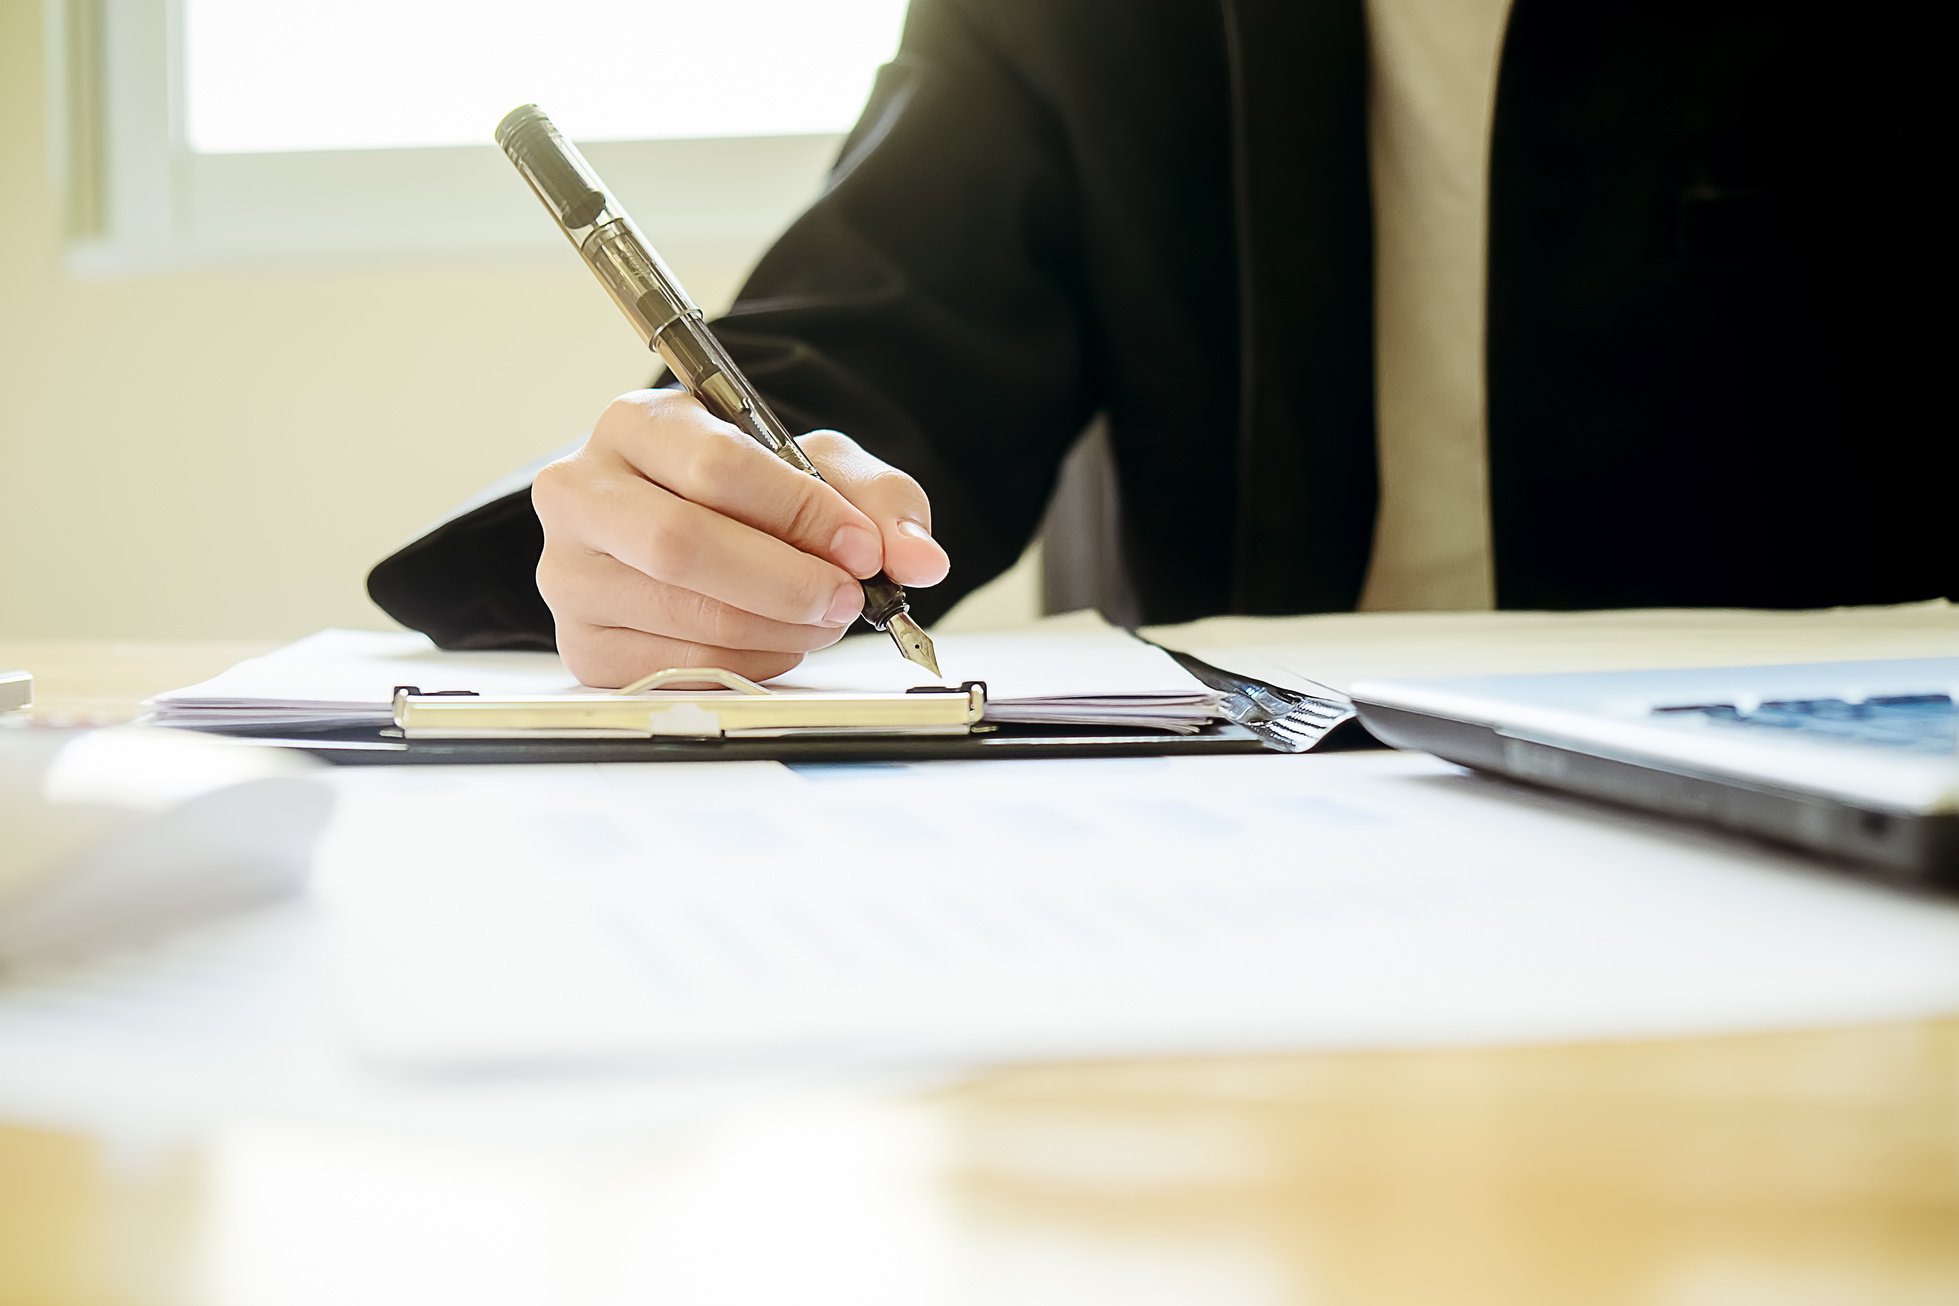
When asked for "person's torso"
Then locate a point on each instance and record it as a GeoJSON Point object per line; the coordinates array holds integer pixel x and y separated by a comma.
{"type": "Point", "coordinates": [1700, 379]}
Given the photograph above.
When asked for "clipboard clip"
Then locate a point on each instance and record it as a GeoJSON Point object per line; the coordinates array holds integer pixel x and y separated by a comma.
{"type": "Point", "coordinates": [734, 708]}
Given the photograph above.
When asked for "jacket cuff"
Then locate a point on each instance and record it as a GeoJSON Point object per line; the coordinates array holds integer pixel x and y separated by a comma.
{"type": "Point", "coordinates": [471, 583]}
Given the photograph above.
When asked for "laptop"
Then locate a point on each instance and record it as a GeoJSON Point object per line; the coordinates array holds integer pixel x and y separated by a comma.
{"type": "Point", "coordinates": [1857, 761]}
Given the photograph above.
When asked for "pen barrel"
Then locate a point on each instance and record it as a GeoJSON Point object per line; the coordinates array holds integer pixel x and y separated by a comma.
{"type": "Point", "coordinates": [553, 167]}
{"type": "Point", "coordinates": [710, 375]}
{"type": "Point", "coordinates": [634, 277]}
{"type": "Point", "coordinates": [643, 287]}
{"type": "Point", "coordinates": [659, 308]}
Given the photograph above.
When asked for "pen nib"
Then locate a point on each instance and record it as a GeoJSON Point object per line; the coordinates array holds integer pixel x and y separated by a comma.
{"type": "Point", "coordinates": [913, 642]}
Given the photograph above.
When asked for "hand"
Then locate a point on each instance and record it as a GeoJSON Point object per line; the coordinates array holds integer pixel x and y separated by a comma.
{"type": "Point", "coordinates": [671, 539]}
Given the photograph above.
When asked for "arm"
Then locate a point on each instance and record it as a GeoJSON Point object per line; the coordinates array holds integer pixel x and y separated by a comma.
{"type": "Point", "coordinates": [925, 303]}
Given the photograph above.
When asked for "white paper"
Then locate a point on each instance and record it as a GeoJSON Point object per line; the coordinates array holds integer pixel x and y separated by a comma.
{"type": "Point", "coordinates": [1007, 910]}
{"type": "Point", "coordinates": [227, 1023]}
{"type": "Point", "coordinates": [1075, 669]}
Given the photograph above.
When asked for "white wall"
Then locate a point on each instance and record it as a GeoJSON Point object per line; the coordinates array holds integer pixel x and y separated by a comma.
{"type": "Point", "coordinates": [223, 453]}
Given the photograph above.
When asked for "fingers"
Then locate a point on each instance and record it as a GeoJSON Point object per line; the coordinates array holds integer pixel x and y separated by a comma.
{"type": "Point", "coordinates": [889, 498]}
{"type": "Point", "coordinates": [683, 544]}
{"type": "Point", "coordinates": [678, 444]}
{"type": "Point", "coordinates": [673, 539]}
{"type": "Point", "coordinates": [597, 591]}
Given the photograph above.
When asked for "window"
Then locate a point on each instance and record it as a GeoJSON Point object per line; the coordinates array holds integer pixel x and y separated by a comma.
{"type": "Point", "coordinates": [240, 130]}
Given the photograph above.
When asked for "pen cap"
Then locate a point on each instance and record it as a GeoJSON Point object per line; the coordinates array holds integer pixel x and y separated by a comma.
{"type": "Point", "coordinates": [554, 168]}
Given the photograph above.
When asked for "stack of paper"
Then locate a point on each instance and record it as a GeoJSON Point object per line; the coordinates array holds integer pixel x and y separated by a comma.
{"type": "Point", "coordinates": [1075, 670]}
{"type": "Point", "coordinates": [339, 679]}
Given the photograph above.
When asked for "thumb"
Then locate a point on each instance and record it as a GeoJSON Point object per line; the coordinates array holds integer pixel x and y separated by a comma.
{"type": "Point", "coordinates": [891, 499]}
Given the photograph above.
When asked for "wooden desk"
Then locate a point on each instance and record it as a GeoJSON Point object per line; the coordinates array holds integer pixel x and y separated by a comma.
{"type": "Point", "coordinates": [1786, 1170]}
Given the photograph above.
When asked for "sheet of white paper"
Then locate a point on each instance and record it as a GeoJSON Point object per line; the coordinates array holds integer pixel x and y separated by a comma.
{"type": "Point", "coordinates": [1079, 655]}
{"type": "Point", "coordinates": [1076, 667]}
{"type": "Point", "coordinates": [1075, 908]}
{"type": "Point", "coordinates": [1072, 668]}
{"type": "Point", "coordinates": [226, 1023]}
{"type": "Point", "coordinates": [1340, 649]}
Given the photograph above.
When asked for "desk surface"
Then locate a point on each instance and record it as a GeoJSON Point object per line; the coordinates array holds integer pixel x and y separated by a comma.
{"type": "Point", "coordinates": [1789, 1168]}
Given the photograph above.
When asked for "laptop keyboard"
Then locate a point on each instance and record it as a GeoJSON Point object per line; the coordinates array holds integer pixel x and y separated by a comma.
{"type": "Point", "coordinates": [1919, 723]}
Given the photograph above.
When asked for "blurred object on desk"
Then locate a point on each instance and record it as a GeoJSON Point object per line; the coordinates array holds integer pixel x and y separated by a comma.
{"type": "Point", "coordinates": [108, 835]}
{"type": "Point", "coordinates": [16, 690]}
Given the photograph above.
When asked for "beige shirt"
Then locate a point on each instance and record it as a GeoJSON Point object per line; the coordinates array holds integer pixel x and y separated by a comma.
{"type": "Point", "coordinates": [1431, 91]}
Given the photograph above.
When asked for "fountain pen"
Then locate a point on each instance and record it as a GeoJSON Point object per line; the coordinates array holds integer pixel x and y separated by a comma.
{"type": "Point", "coordinates": [670, 324]}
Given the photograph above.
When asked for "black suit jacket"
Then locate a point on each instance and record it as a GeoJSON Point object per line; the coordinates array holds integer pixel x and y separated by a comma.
{"type": "Point", "coordinates": [1707, 383]}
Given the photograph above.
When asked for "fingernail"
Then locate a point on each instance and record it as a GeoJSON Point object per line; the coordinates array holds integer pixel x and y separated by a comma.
{"type": "Point", "coordinates": [935, 565]}
{"type": "Point", "coordinates": [849, 601]}
{"type": "Point", "coordinates": [857, 550]}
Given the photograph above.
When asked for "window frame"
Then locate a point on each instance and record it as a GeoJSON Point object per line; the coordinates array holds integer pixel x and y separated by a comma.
{"type": "Point", "coordinates": [140, 201]}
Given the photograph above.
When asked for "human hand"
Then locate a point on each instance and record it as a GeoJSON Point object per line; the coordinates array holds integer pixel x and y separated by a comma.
{"type": "Point", "coordinates": [672, 539]}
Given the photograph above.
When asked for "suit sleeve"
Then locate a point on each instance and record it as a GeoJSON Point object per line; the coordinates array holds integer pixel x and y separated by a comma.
{"type": "Point", "coordinates": [928, 304]}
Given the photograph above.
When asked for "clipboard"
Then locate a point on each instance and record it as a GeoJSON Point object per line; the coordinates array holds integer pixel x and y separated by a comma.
{"type": "Point", "coordinates": [372, 748]}
{"type": "Point", "coordinates": [735, 720]}
{"type": "Point", "coordinates": [735, 708]}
